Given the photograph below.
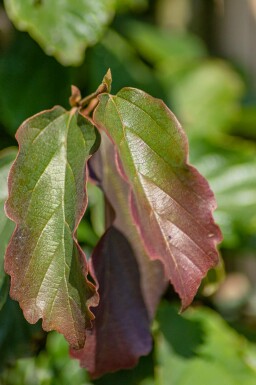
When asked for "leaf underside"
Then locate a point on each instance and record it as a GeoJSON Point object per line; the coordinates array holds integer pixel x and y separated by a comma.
{"type": "Point", "coordinates": [121, 330]}
{"type": "Point", "coordinates": [47, 199]}
{"type": "Point", "coordinates": [171, 202]}
{"type": "Point", "coordinates": [130, 285]}
{"type": "Point", "coordinates": [64, 28]}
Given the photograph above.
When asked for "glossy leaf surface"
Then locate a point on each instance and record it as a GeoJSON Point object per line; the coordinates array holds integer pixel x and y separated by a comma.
{"type": "Point", "coordinates": [64, 28]}
{"type": "Point", "coordinates": [6, 226]}
{"type": "Point", "coordinates": [47, 199]}
{"type": "Point", "coordinates": [171, 202]}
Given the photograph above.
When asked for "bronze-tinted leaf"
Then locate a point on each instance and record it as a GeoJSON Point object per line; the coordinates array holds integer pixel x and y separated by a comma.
{"type": "Point", "coordinates": [171, 202]}
{"type": "Point", "coordinates": [47, 199]}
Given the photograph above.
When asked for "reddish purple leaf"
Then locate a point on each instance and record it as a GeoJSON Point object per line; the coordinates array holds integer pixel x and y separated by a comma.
{"type": "Point", "coordinates": [121, 329]}
{"type": "Point", "coordinates": [171, 202]}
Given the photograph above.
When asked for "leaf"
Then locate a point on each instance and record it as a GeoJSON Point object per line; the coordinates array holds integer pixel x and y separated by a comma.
{"type": "Point", "coordinates": [171, 202]}
{"type": "Point", "coordinates": [105, 170]}
{"type": "Point", "coordinates": [63, 28]}
{"type": "Point", "coordinates": [121, 331]}
{"type": "Point", "coordinates": [218, 354]}
{"type": "Point", "coordinates": [97, 208]}
{"type": "Point", "coordinates": [172, 53]}
{"type": "Point", "coordinates": [130, 285]}
{"type": "Point", "coordinates": [229, 166]}
{"type": "Point", "coordinates": [52, 365]}
{"type": "Point", "coordinates": [6, 226]}
{"type": "Point", "coordinates": [17, 337]}
{"type": "Point", "coordinates": [47, 199]}
{"type": "Point", "coordinates": [208, 98]}
{"type": "Point", "coordinates": [27, 78]}
{"type": "Point", "coordinates": [116, 52]}
{"type": "Point", "coordinates": [134, 5]}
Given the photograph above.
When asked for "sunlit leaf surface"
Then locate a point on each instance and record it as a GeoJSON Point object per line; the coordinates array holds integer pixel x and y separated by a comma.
{"type": "Point", "coordinates": [47, 200]}
{"type": "Point", "coordinates": [171, 202]}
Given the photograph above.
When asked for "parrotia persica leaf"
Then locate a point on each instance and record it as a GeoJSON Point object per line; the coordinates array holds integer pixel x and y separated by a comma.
{"type": "Point", "coordinates": [105, 170]}
{"type": "Point", "coordinates": [121, 330]}
{"type": "Point", "coordinates": [64, 28]}
{"type": "Point", "coordinates": [130, 285]}
{"type": "Point", "coordinates": [6, 226]}
{"type": "Point", "coordinates": [171, 202]}
{"type": "Point", "coordinates": [47, 199]}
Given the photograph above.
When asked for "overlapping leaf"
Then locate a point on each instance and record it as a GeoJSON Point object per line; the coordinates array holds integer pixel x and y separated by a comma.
{"type": "Point", "coordinates": [64, 28]}
{"type": "Point", "coordinates": [47, 199]}
{"type": "Point", "coordinates": [171, 202]}
{"type": "Point", "coordinates": [6, 226]}
{"type": "Point", "coordinates": [116, 189]}
{"type": "Point", "coordinates": [130, 285]}
{"type": "Point", "coordinates": [121, 330]}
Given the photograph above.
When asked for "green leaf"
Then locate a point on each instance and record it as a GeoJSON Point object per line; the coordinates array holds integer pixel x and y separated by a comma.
{"type": "Point", "coordinates": [51, 366]}
{"type": "Point", "coordinates": [17, 337]}
{"type": "Point", "coordinates": [116, 52]}
{"type": "Point", "coordinates": [6, 226]}
{"type": "Point", "coordinates": [171, 202]}
{"type": "Point", "coordinates": [218, 354]}
{"type": "Point", "coordinates": [208, 98]}
{"type": "Point", "coordinates": [229, 166]}
{"type": "Point", "coordinates": [134, 5]}
{"type": "Point", "coordinates": [97, 209]}
{"type": "Point", "coordinates": [159, 46]}
{"type": "Point", "coordinates": [47, 199]}
{"type": "Point", "coordinates": [64, 28]}
{"type": "Point", "coordinates": [34, 71]}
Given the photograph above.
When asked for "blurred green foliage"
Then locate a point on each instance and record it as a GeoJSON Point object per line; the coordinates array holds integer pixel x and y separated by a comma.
{"type": "Point", "coordinates": [211, 100]}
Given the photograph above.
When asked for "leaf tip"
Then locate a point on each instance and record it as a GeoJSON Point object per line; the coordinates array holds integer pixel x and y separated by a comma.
{"type": "Point", "coordinates": [107, 81]}
{"type": "Point", "coordinates": [75, 96]}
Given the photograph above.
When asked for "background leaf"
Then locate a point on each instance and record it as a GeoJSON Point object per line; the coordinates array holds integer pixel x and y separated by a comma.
{"type": "Point", "coordinates": [104, 169]}
{"type": "Point", "coordinates": [25, 68]}
{"type": "Point", "coordinates": [51, 366]}
{"type": "Point", "coordinates": [63, 28]}
{"type": "Point", "coordinates": [47, 199]}
{"type": "Point", "coordinates": [200, 347]}
{"type": "Point", "coordinates": [17, 337]}
{"type": "Point", "coordinates": [207, 99]}
{"type": "Point", "coordinates": [6, 226]}
{"type": "Point", "coordinates": [229, 166]}
{"type": "Point", "coordinates": [169, 198]}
